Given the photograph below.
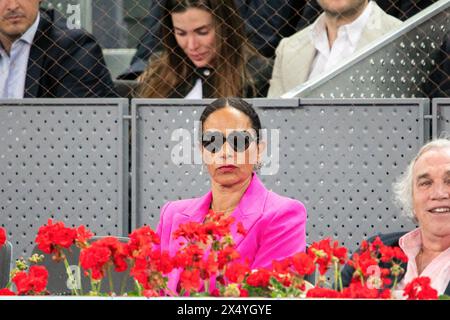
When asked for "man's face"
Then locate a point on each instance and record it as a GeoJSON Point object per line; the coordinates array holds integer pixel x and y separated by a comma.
{"type": "Point", "coordinates": [16, 17]}
{"type": "Point", "coordinates": [342, 7]}
{"type": "Point", "coordinates": [431, 192]}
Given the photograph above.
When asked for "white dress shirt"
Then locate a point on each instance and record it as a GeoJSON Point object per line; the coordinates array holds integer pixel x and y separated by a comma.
{"type": "Point", "coordinates": [13, 67]}
{"type": "Point", "coordinates": [348, 35]}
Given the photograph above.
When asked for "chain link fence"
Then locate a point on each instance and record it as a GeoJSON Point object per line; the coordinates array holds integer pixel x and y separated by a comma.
{"type": "Point", "coordinates": [153, 50]}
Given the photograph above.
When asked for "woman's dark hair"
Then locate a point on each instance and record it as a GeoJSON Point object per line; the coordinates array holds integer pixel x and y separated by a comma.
{"type": "Point", "coordinates": [236, 103]}
{"type": "Point", "coordinates": [169, 70]}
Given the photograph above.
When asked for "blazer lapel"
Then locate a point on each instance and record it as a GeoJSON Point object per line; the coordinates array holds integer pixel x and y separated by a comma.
{"type": "Point", "coordinates": [250, 208]}
{"type": "Point", "coordinates": [194, 213]}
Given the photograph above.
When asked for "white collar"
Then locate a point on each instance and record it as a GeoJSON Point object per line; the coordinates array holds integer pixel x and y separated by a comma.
{"type": "Point", "coordinates": [353, 29]}
{"type": "Point", "coordinates": [28, 36]}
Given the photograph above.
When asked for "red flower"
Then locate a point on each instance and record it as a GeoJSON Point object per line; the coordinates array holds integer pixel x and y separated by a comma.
{"type": "Point", "coordinates": [236, 272]}
{"type": "Point", "coordinates": [2, 237]}
{"type": "Point", "coordinates": [34, 282]}
{"type": "Point", "coordinates": [363, 264]}
{"type": "Point", "coordinates": [282, 266]}
{"type": "Point", "coordinates": [150, 293]}
{"type": "Point", "coordinates": [420, 289]}
{"type": "Point", "coordinates": [388, 254]}
{"type": "Point", "coordinates": [244, 293]}
{"type": "Point", "coordinates": [6, 292]}
{"type": "Point", "coordinates": [97, 256]}
{"type": "Point", "coordinates": [119, 252]}
{"type": "Point", "coordinates": [322, 293]}
{"type": "Point", "coordinates": [94, 258]}
{"type": "Point", "coordinates": [240, 229]}
{"type": "Point", "coordinates": [142, 241]}
{"type": "Point", "coordinates": [209, 266]}
{"type": "Point", "coordinates": [191, 231]}
{"type": "Point", "coordinates": [192, 255]}
{"type": "Point", "coordinates": [83, 235]}
{"type": "Point", "coordinates": [215, 293]}
{"type": "Point", "coordinates": [303, 263]}
{"type": "Point", "coordinates": [52, 237]}
{"type": "Point", "coordinates": [259, 278]}
{"type": "Point", "coordinates": [226, 255]}
{"type": "Point", "coordinates": [358, 291]}
{"type": "Point", "coordinates": [190, 280]}
{"type": "Point", "coordinates": [339, 253]}
{"type": "Point", "coordinates": [322, 253]}
{"type": "Point", "coordinates": [218, 224]}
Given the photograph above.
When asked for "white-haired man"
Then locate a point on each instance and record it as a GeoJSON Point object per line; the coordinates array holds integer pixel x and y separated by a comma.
{"type": "Point", "coordinates": [423, 192]}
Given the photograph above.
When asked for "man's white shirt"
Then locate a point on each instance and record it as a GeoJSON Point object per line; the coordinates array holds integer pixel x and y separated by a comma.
{"type": "Point", "coordinates": [13, 67]}
{"type": "Point", "coordinates": [348, 36]}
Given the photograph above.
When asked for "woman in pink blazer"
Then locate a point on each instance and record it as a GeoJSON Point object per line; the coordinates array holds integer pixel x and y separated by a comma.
{"type": "Point", "coordinates": [231, 149]}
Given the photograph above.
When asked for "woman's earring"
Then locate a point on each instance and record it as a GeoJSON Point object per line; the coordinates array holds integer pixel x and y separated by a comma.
{"type": "Point", "coordinates": [258, 166]}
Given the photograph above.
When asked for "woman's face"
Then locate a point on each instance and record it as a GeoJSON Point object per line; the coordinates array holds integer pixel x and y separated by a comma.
{"type": "Point", "coordinates": [226, 166]}
{"type": "Point", "coordinates": [195, 34]}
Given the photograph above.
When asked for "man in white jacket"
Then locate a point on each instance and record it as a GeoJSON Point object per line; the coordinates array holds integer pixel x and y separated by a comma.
{"type": "Point", "coordinates": [345, 27]}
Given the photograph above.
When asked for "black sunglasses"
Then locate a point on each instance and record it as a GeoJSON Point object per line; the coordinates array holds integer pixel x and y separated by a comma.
{"type": "Point", "coordinates": [238, 140]}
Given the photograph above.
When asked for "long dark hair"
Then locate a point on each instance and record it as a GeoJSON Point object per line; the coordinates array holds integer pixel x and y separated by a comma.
{"type": "Point", "coordinates": [167, 71]}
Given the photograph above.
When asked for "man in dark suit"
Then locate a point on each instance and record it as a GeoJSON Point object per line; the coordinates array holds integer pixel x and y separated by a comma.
{"type": "Point", "coordinates": [41, 57]}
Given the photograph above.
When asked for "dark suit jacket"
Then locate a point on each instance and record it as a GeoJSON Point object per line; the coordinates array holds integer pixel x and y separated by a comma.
{"type": "Point", "coordinates": [391, 240]}
{"type": "Point", "coordinates": [65, 63]}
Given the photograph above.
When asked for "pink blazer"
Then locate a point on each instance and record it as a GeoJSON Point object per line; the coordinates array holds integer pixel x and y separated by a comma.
{"type": "Point", "coordinates": [276, 225]}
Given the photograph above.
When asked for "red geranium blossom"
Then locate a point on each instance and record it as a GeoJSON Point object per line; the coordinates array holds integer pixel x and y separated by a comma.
{"type": "Point", "coordinates": [319, 292]}
{"type": "Point", "coordinates": [94, 258]}
{"type": "Point", "coordinates": [322, 253]}
{"type": "Point", "coordinates": [190, 280]}
{"type": "Point", "coordinates": [358, 291]}
{"type": "Point", "coordinates": [142, 241]}
{"type": "Point", "coordinates": [226, 255]}
{"type": "Point", "coordinates": [420, 289]}
{"type": "Point", "coordinates": [54, 236]}
{"type": "Point", "coordinates": [6, 292]}
{"type": "Point", "coordinates": [33, 282]}
{"type": "Point", "coordinates": [303, 264]}
{"type": "Point", "coordinates": [2, 237]}
{"type": "Point", "coordinates": [236, 272]}
{"type": "Point", "coordinates": [99, 253]}
{"type": "Point", "coordinates": [240, 229]}
{"type": "Point", "coordinates": [259, 278]}
{"type": "Point", "coordinates": [83, 235]}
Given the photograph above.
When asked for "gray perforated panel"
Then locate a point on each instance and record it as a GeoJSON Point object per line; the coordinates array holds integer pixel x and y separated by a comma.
{"type": "Point", "coordinates": [396, 66]}
{"type": "Point", "coordinates": [63, 159]}
{"type": "Point", "coordinates": [441, 117]}
{"type": "Point", "coordinates": [338, 157]}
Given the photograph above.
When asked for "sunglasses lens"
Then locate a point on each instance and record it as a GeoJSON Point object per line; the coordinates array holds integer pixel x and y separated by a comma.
{"type": "Point", "coordinates": [212, 141]}
{"type": "Point", "coordinates": [240, 140]}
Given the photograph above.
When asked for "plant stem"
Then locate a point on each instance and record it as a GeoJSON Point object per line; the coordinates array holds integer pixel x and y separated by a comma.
{"type": "Point", "coordinates": [123, 284]}
{"type": "Point", "coordinates": [341, 285]}
{"type": "Point", "coordinates": [111, 284]}
{"type": "Point", "coordinates": [70, 275]}
{"type": "Point", "coordinates": [336, 270]}
{"type": "Point", "coordinates": [394, 286]}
